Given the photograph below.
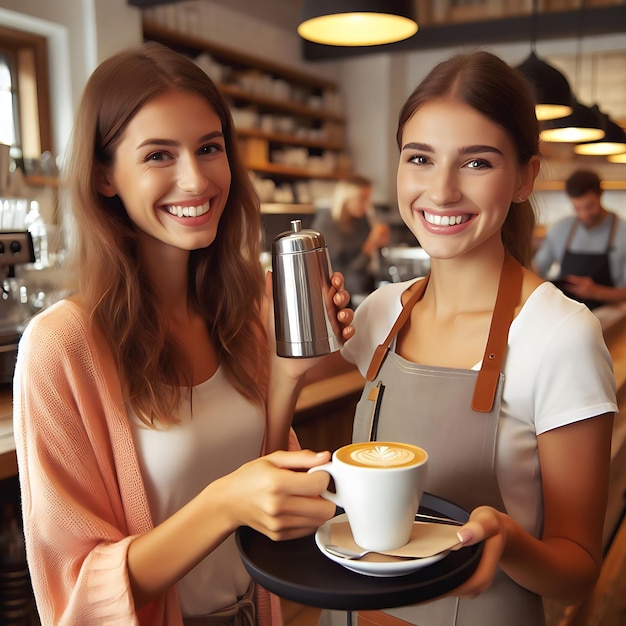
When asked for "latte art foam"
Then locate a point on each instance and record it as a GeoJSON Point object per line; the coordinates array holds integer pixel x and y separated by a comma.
{"type": "Point", "coordinates": [383, 456]}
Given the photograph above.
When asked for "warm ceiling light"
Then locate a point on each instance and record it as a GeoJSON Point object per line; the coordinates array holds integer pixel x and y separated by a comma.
{"type": "Point", "coordinates": [553, 96]}
{"type": "Point", "coordinates": [357, 22]}
{"type": "Point", "coordinates": [584, 124]}
{"type": "Point", "coordinates": [613, 142]}
{"type": "Point", "coordinates": [617, 158]}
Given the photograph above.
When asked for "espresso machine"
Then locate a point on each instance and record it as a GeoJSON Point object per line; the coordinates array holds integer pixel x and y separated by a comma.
{"type": "Point", "coordinates": [16, 248]}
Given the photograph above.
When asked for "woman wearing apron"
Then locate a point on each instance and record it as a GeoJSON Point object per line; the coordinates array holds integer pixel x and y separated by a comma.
{"type": "Point", "coordinates": [505, 382]}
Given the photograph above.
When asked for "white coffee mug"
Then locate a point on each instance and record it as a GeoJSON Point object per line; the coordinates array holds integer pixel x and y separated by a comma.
{"type": "Point", "coordinates": [379, 484]}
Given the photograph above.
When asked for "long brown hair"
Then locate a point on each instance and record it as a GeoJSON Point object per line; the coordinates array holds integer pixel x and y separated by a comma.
{"type": "Point", "coordinates": [225, 279]}
{"type": "Point", "coordinates": [486, 83]}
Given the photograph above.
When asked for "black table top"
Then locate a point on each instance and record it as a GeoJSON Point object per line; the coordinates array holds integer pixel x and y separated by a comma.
{"type": "Point", "coordinates": [298, 571]}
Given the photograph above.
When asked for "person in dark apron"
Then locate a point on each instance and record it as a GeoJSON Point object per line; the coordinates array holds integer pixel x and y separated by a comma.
{"type": "Point", "coordinates": [475, 362]}
{"type": "Point", "coordinates": [593, 265]}
{"type": "Point", "coordinates": [590, 247]}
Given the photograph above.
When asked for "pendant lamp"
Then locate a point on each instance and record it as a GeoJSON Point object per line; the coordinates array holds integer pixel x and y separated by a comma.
{"type": "Point", "coordinates": [553, 95]}
{"type": "Point", "coordinates": [617, 158]}
{"type": "Point", "coordinates": [613, 142]}
{"type": "Point", "coordinates": [583, 124]}
{"type": "Point", "coordinates": [357, 22]}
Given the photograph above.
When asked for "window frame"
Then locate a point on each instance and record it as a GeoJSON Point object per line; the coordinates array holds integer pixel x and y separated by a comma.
{"type": "Point", "coordinates": [30, 52]}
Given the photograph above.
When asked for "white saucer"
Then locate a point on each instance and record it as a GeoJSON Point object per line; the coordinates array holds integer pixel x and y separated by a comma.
{"type": "Point", "coordinates": [369, 568]}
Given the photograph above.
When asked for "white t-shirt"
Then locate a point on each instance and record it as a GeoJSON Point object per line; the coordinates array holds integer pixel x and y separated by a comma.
{"type": "Point", "coordinates": [557, 371]}
{"type": "Point", "coordinates": [224, 432]}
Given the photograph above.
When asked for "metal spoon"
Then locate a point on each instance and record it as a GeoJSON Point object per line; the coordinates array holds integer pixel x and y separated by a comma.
{"type": "Point", "coordinates": [436, 518]}
{"type": "Point", "coordinates": [353, 555]}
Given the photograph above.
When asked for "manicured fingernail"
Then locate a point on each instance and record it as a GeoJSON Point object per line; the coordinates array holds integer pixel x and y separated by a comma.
{"type": "Point", "coordinates": [464, 535]}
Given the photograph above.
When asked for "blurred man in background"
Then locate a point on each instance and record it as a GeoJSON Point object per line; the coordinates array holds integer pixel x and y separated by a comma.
{"type": "Point", "coordinates": [590, 246]}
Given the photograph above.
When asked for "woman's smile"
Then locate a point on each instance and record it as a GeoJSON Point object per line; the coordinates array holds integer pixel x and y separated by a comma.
{"type": "Point", "coordinates": [179, 210]}
{"type": "Point", "coordinates": [436, 219]}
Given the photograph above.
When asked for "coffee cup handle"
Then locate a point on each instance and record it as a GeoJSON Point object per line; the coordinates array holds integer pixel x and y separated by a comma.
{"type": "Point", "coordinates": [328, 468]}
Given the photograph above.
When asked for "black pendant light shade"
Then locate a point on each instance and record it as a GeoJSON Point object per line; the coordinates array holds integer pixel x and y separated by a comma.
{"type": "Point", "coordinates": [553, 96]}
{"type": "Point", "coordinates": [613, 142]}
{"type": "Point", "coordinates": [357, 22]}
{"type": "Point", "coordinates": [584, 124]}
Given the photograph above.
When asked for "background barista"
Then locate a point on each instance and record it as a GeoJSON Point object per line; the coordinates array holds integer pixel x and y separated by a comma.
{"type": "Point", "coordinates": [590, 246]}
{"type": "Point", "coordinates": [352, 233]}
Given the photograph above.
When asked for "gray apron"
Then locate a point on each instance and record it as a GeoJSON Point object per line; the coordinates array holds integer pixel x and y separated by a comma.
{"type": "Point", "coordinates": [453, 414]}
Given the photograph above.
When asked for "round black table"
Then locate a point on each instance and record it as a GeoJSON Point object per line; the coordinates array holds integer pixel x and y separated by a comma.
{"type": "Point", "coordinates": [298, 571]}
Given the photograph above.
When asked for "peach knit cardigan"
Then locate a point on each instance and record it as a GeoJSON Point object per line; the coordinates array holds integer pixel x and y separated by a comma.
{"type": "Point", "coordinates": [83, 498]}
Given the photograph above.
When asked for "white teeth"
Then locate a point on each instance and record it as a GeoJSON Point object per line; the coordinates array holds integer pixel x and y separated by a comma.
{"type": "Point", "coordinates": [445, 220]}
{"type": "Point", "coordinates": [188, 211]}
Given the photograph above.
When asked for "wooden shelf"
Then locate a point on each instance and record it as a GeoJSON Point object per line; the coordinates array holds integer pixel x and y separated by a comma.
{"type": "Point", "coordinates": [41, 181]}
{"type": "Point", "coordinates": [295, 108]}
{"type": "Point", "coordinates": [559, 185]}
{"type": "Point", "coordinates": [290, 139]}
{"type": "Point", "coordinates": [284, 171]}
{"type": "Point", "coordinates": [280, 208]}
{"type": "Point", "coordinates": [192, 43]}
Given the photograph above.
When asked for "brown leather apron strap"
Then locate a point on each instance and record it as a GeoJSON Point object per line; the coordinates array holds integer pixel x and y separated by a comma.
{"type": "Point", "coordinates": [507, 300]}
{"type": "Point", "coordinates": [407, 307]}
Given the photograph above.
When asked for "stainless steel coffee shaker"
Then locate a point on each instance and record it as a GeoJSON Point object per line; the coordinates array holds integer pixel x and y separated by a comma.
{"type": "Point", "coordinates": [304, 315]}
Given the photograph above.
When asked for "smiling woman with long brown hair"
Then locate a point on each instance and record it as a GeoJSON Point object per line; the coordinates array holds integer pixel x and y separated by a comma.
{"type": "Point", "coordinates": [144, 401]}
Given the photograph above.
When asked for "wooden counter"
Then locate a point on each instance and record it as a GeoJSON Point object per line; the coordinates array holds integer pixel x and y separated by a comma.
{"type": "Point", "coordinates": [325, 408]}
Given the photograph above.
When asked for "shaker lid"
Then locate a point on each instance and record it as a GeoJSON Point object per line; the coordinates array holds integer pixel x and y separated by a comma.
{"type": "Point", "coordinates": [297, 239]}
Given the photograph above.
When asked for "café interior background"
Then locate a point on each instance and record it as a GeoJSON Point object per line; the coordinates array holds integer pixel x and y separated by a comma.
{"type": "Point", "coordinates": [372, 86]}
